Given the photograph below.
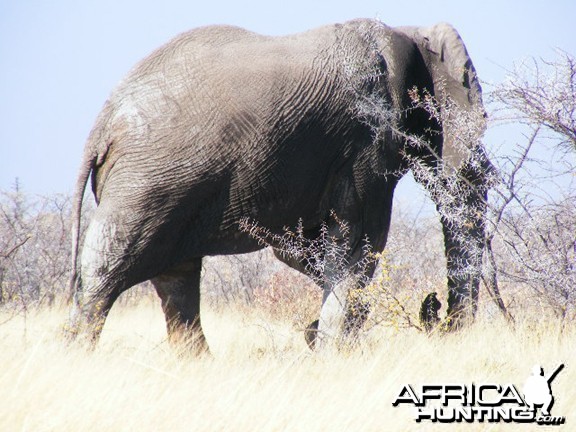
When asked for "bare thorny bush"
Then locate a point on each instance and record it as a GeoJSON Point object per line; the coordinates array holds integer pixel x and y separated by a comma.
{"type": "Point", "coordinates": [387, 305]}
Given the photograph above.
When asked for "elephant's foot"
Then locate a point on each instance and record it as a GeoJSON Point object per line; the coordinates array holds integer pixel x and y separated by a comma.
{"type": "Point", "coordinates": [322, 338]}
{"type": "Point", "coordinates": [188, 339]}
{"type": "Point", "coordinates": [84, 336]}
{"type": "Point", "coordinates": [318, 341]}
{"type": "Point", "coordinates": [339, 331]}
{"type": "Point", "coordinates": [86, 322]}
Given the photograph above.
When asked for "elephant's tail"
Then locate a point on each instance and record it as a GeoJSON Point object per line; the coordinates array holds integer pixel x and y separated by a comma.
{"type": "Point", "coordinates": [95, 151]}
{"type": "Point", "coordinates": [88, 163]}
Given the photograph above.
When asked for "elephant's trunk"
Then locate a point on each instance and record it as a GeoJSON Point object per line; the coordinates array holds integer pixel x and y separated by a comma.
{"type": "Point", "coordinates": [463, 249]}
{"type": "Point", "coordinates": [463, 222]}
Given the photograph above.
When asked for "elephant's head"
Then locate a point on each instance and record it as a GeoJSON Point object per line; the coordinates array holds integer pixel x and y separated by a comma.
{"type": "Point", "coordinates": [460, 181]}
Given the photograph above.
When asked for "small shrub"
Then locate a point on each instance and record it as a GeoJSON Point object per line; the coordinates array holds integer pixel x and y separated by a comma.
{"type": "Point", "coordinates": [289, 295]}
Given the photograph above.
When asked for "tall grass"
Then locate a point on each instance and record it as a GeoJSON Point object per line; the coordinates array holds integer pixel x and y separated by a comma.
{"type": "Point", "coordinates": [261, 377]}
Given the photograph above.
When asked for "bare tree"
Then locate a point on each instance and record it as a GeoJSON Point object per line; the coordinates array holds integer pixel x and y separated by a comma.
{"type": "Point", "coordinates": [531, 241]}
{"type": "Point", "coordinates": [543, 94]}
{"type": "Point", "coordinates": [34, 247]}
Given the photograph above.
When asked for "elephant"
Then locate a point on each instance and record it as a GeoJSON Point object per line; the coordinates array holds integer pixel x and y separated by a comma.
{"type": "Point", "coordinates": [222, 124]}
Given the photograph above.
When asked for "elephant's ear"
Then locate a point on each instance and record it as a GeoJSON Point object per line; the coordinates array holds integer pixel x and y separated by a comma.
{"type": "Point", "coordinates": [450, 61]}
{"type": "Point", "coordinates": [455, 78]}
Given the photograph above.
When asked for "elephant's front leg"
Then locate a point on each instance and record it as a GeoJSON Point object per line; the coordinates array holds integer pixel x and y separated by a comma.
{"type": "Point", "coordinates": [179, 290]}
{"type": "Point", "coordinates": [332, 315]}
{"type": "Point", "coordinates": [340, 320]}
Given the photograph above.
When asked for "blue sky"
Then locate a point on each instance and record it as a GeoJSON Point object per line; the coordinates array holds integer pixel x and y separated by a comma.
{"type": "Point", "coordinates": [60, 59]}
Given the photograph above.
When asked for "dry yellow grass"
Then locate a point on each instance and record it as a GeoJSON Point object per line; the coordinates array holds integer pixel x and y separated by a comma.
{"type": "Point", "coordinates": [261, 377]}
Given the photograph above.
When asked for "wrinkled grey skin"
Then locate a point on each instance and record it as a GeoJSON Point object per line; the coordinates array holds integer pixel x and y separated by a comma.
{"type": "Point", "coordinates": [221, 124]}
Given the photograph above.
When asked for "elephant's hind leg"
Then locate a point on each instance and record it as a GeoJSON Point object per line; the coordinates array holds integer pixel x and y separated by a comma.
{"type": "Point", "coordinates": [89, 313]}
{"type": "Point", "coordinates": [179, 290]}
{"type": "Point", "coordinates": [102, 279]}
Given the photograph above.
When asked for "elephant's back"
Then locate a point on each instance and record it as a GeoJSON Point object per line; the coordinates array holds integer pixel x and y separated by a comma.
{"type": "Point", "coordinates": [225, 59]}
{"type": "Point", "coordinates": [222, 83]}
{"type": "Point", "coordinates": [202, 72]}
{"type": "Point", "coordinates": [229, 105]}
